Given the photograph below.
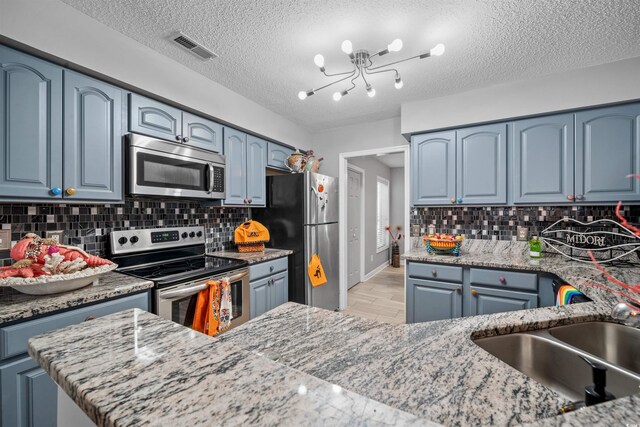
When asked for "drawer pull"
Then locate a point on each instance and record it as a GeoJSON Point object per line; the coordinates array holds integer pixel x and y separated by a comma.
{"type": "Point", "coordinates": [503, 280]}
{"type": "Point", "coordinates": [86, 319]}
{"type": "Point", "coordinates": [459, 291]}
{"type": "Point", "coordinates": [271, 268]}
{"type": "Point", "coordinates": [434, 273]}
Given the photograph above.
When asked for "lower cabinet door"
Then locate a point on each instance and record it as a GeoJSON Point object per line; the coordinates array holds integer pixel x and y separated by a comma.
{"type": "Point", "coordinates": [428, 300]}
{"type": "Point", "coordinates": [490, 301]}
{"type": "Point", "coordinates": [29, 395]}
{"type": "Point", "coordinates": [279, 291]}
{"type": "Point", "coordinates": [259, 301]}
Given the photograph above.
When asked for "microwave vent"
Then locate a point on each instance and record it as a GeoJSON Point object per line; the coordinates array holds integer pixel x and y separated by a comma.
{"type": "Point", "coordinates": [192, 46]}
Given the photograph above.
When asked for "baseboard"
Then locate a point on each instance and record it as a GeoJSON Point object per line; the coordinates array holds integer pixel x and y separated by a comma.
{"type": "Point", "coordinates": [375, 271]}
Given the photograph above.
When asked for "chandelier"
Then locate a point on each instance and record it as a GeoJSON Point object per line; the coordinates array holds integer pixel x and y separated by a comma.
{"type": "Point", "coordinates": [362, 61]}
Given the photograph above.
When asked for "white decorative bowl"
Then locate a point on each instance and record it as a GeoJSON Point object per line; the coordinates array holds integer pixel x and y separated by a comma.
{"type": "Point", "coordinates": [47, 285]}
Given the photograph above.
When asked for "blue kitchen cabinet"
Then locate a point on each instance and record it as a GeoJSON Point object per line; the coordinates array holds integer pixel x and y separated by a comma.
{"type": "Point", "coordinates": [235, 152]}
{"type": "Point", "coordinates": [428, 300]}
{"type": "Point", "coordinates": [153, 118]}
{"type": "Point", "coordinates": [481, 164]}
{"type": "Point", "coordinates": [30, 127]}
{"type": "Point", "coordinates": [543, 159]}
{"type": "Point", "coordinates": [256, 173]}
{"type": "Point", "coordinates": [491, 301]}
{"type": "Point", "coordinates": [433, 166]}
{"type": "Point", "coordinates": [259, 298]}
{"type": "Point", "coordinates": [92, 139]}
{"type": "Point", "coordinates": [607, 150]}
{"type": "Point", "coordinates": [277, 155]}
{"type": "Point", "coordinates": [279, 292]}
{"type": "Point", "coordinates": [201, 133]}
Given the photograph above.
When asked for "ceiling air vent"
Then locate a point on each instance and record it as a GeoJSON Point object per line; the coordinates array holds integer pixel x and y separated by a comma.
{"type": "Point", "coordinates": [192, 46]}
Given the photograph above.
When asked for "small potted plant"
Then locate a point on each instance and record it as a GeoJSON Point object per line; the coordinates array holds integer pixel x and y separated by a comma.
{"type": "Point", "coordinates": [395, 247]}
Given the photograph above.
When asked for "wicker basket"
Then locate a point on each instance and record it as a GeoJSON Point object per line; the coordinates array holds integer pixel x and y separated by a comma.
{"type": "Point", "coordinates": [442, 247]}
{"type": "Point", "coordinates": [251, 247]}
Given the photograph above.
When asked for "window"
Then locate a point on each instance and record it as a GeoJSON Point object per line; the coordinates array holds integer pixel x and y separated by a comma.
{"type": "Point", "coordinates": [382, 215]}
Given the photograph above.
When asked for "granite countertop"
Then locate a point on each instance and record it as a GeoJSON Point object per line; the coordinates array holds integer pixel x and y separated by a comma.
{"type": "Point", "coordinates": [254, 257]}
{"type": "Point", "coordinates": [16, 306]}
{"type": "Point", "coordinates": [432, 371]}
{"type": "Point", "coordinates": [148, 370]}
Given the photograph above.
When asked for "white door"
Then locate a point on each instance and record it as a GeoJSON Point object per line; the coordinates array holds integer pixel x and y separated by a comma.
{"type": "Point", "coordinates": [354, 217]}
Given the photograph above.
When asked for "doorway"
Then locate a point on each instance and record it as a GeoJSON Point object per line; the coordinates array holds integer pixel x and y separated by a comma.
{"type": "Point", "coordinates": [375, 255]}
{"type": "Point", "coordinates": [355, 219]}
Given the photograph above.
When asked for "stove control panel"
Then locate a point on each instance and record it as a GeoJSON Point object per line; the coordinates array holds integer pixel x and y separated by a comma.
{"type": "Point", "coordinates": [131, 241]}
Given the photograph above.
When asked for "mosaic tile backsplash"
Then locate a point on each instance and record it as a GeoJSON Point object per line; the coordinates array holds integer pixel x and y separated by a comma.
{"type": "Point", "coordinates": [88, 226]}
{"type": "Point", "coordinates": [501, 222]}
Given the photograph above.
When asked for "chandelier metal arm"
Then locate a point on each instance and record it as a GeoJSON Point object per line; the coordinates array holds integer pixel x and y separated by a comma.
{"type": "Point", "coordinates": [339, 74]}
{"type": "Point", "coordinates": [353, 85]}
{"type": "Point", "coordinates": [337, 81]}
{"type": "Point", "coordinates": [367, 70]}
{"type": "Point", "coordinates": [397, 62]}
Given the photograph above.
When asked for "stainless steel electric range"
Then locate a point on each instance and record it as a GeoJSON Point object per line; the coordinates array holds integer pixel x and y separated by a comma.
{"type": "Point", "coordinates": [175, 260]}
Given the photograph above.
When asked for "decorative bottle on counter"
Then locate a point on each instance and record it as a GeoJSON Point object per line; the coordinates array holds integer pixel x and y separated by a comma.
{"type": "Point", "coordinates": [535, 247]}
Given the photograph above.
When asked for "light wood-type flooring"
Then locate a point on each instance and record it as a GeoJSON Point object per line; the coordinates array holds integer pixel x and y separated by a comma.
{"type": "Point", "coordinates": [380, 298]}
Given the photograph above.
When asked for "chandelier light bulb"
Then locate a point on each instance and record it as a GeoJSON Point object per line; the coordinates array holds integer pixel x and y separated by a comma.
{"type": "Point", "coordinates": [399, 83]}
{"type": "Point", "coordinates": [347, 47]}
{"type": "Point", "coordinates": [437, 50]}
{"type": "Point", "coordinates": [371, 91]}
{"type": "Point", "coordinates": [395, 45]}
{"type": "Point", "coordinates": [337, 96]}
{"type": "Point", "coordinates": [319, 60]}
{"type": "Point", "coordinates": [302, 95]}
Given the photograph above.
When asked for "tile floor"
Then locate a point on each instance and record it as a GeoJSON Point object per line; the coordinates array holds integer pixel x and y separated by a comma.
{"type": "Point", "coordinates": [379, 298]}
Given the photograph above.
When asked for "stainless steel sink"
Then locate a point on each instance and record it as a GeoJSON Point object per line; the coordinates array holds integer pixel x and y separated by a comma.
{"type": "Point", "coordinates": [612, 342]}
{"type": "Point", "coordinates": [555, 364]}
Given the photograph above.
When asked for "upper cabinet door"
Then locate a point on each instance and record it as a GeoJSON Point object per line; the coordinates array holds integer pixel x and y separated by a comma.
{"type": "Point", "coordinates": [256, 175]}
{"type": "Point", "coordinates": [433, 168]}
{"type": "Point", "coordinates": [277, 154]}
{"type": "Point", "coordinates": [542, 156]}
{"type": "Point", "coordinates": [201, 133]}
{"type": "Point", "coordinates": [235, 151]}
{"type": "Point", "coordinates": [607, 150]}
{"type": "Point", "coordinates": [482, 164]}
{"type": "Point", "coordinates": [149, 117]}
{"type": "Point", "coordinates": [92, 139]}
{"type": "Point", "coordinates": [30, 127]}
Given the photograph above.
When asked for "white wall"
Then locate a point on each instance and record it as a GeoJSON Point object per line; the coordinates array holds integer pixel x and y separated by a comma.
{"type": "Point", "coordinates": [372, 170]}
{"type": "Point", "coordinates": [608, 83]}
{"type": "Point", "coordinates": [58, 29]}
{"type": "Point", "coordinates": [363, 136]}
{"type": "Point", "coordinates": [396, 201]}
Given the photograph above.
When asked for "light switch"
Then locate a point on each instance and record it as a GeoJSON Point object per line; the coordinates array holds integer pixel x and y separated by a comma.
{"type": "Point", "coordinates": [5, 240]}
{"type": "Point", "coordinates": [523, 234]}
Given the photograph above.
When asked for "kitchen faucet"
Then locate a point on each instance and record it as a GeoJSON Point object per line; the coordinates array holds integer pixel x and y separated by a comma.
{"type": "Point", "coordinates": [627, 312]}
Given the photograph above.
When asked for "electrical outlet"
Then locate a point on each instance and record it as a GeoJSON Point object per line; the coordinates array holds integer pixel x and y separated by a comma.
{"type": "Point", "coordinates": [415, 229]}
{"type": "Point", "coordinates": [523, 234]}
{"type": "Point", "coordinates": [5, 240]}
{"type": "Point", "coordinates": [57, 235]}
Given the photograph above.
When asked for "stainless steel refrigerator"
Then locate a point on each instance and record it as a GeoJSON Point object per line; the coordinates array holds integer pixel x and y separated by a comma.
{"type": "Point", "coordinates": [302, 215]}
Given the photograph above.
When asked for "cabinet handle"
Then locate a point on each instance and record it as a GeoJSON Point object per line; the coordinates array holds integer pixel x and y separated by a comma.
{"type": "Point", "coordinates": [570, 197]}
{"type": "Point", "coordinates": [459, 200]}
{"type": "Point", "coordinates": [458, 291]}
{"type": "Point", "coordinates": [474, 292]}
{"type": "Point", "coordinates": [185, 139]}
{"type": "Point", "coordinates": [434, 273]}
{"type": "Point", "coordinates": [250, 200]}
{"type": "Point", "coordinates": [246, 201]}
{"type": "Point", "coordinates": [453, 200]}
{"type": "Point", "coordinates": [503, 280]}
{"type": "Point", "coordinates": [56, 191]}
{"type": "Point", "coordinates": [271, 268]}
{"type": "Point", "coordinates": [579, 197]}
{"type": "Point", "coordinates": [71, 191]}
{"type": "Point", "coordinates": [86, 319]}
{"type": "Point", "coordinates": [178, 137]}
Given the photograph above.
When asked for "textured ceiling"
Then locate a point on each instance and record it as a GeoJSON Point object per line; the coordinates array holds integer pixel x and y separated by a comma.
{"type": "Point", "coordinates": [267, 47]}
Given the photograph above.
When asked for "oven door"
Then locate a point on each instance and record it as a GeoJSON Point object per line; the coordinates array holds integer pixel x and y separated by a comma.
{"type": "Point", "coordinates": [178, 303]}
{"type": "Point", "coordinates": [173, 172]}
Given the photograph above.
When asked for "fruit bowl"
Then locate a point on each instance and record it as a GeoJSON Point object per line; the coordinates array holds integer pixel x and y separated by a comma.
{"type": "Point", "coordinates": [442, 244]}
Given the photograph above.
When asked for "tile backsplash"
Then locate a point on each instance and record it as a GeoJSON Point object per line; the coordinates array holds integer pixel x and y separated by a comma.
{"type": "Point", "coordinates": [88, 226]}
{"type": "Point", "coordinates": [501, 222]}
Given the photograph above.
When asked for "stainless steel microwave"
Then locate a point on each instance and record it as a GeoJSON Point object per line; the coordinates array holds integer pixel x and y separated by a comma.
{"type": "Point", "coordinates": [161, 168]}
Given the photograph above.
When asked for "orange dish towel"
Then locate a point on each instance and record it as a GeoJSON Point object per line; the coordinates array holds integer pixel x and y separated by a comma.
{"type": "Point", "coordinates": [213, 312]}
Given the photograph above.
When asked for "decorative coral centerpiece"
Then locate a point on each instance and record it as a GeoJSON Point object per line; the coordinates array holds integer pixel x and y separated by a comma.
{"type": "Point", "coordinates": [441, 244]}
{"type": "Point", "coordinates": [42, 266]}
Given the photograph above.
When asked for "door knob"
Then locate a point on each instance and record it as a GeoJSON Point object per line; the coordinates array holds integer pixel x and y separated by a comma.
{"type": "Point", "coordinates": [178, 137]}
{"type": "Point", "coordinates": [570, 197]}
{"type": "Point", "coordinates": [250, 200]}
{"type": "Point", "coordinates": [246, 201]}
{"type": "Point", "coordinates": [503, 280]}
{"type": "Point", "coordinates": [458, 291]}
{"type": "Point", "coordinates": [474, 292]}
{"type": "Point", "coordinates": [185, 139]}
{"type": "Point", "coordinates": [579, 197]}
{"type": "Point", "coordinates": [434, 273]}
{"type": "Point", "coordinates": [56, 191]}
{"type": "Point", "coordinates": [453, 200]}
{"type": "Point", "coordinates": [458, 200]}
{"type": "Point", "coordinates": [71, 191]}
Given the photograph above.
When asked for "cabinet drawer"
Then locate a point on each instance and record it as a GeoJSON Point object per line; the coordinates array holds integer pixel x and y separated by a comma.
{"type": "Point", "coordinates": [504, 279]}
{"type": "Point", "coordinates": [490, 301]}
{"type": "Point", "coordinates": [13, 339]}
{"type": "Point", "coordinates": [268, 268]}
{"type": "Point", "coordinates": [435, 271]}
